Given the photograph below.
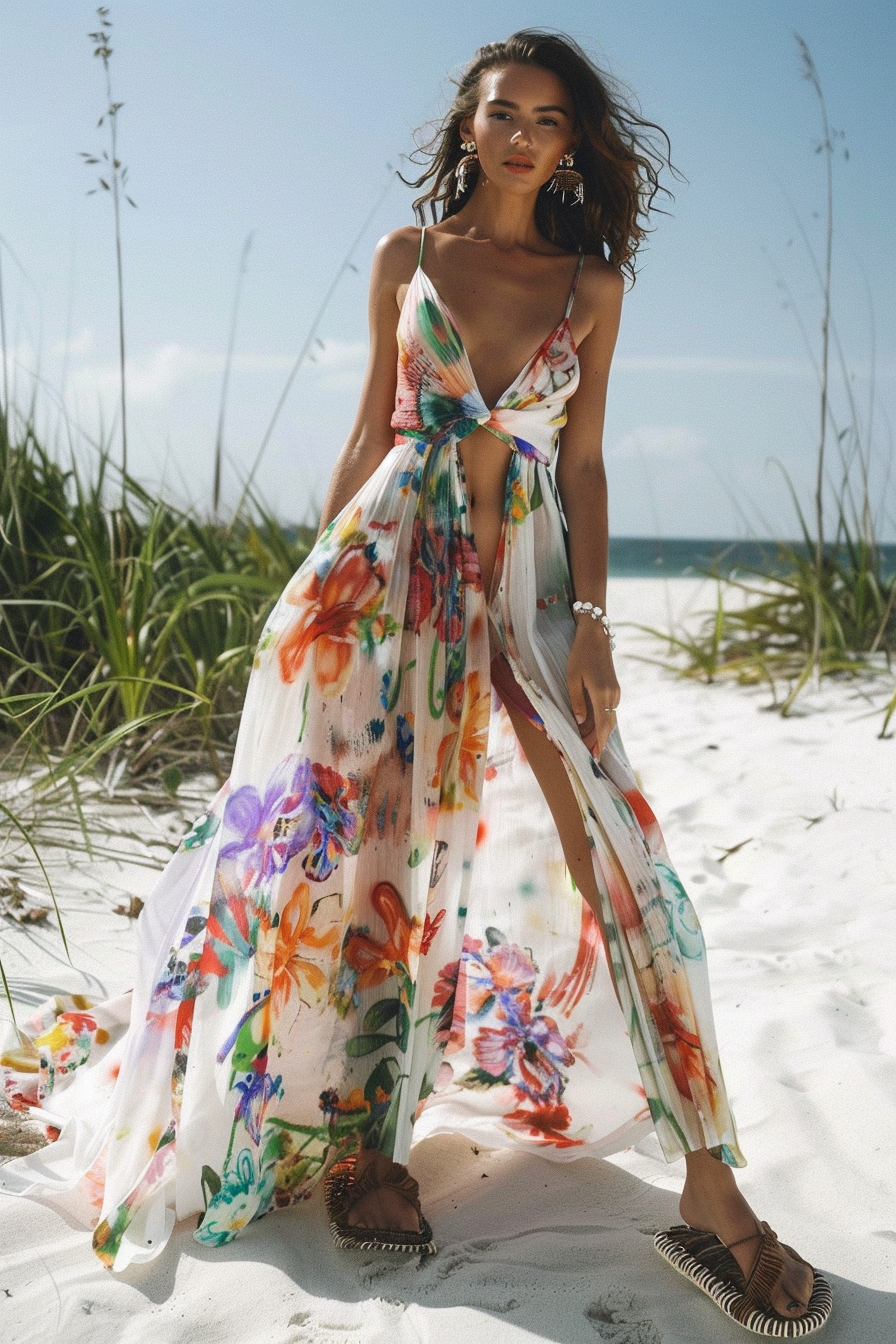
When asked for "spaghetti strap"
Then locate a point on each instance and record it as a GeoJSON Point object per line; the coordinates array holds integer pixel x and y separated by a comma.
{"type": "Point", "coordinates": [420, 253]}
{"type": "Point", "coordinates": [575, 283]}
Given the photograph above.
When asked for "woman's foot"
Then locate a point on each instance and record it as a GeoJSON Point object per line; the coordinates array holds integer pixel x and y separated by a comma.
{"type": "Point", "coordinates": [382, 1207]}
{"type": "Point", "coordinates": [712, 1202]}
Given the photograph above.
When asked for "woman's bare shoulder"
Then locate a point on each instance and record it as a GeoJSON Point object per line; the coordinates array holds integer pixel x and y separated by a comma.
{"type": "Point", "coordinates": [600, 291]}
{"type": "Point", "coordinates": [395, 255]}
{"type": "Point", "coordinates": [601, 280]}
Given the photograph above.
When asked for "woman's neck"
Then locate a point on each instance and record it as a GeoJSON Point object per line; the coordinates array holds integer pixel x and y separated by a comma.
{"type": "Point", "coordinates": [507, 222]}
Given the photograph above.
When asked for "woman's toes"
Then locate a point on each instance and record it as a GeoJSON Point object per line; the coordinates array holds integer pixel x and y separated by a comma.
{"type": "Point", "coordinates": [383, 1208]}
{"type": "Point", "coordinates": [791, 1297]}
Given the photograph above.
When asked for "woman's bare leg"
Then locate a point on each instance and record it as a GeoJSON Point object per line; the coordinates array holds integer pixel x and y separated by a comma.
{"type": "Point", "coordinates": [710, 1199]}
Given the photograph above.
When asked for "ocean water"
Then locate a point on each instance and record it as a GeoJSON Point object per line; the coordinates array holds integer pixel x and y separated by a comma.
{"type": "Point", "coordinates": [675, 557]}
{"type": "Point", "coordinates": [657, 557]}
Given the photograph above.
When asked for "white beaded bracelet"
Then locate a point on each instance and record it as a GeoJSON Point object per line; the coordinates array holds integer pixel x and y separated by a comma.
{"type": "Point", "coordinates": [597, 614]}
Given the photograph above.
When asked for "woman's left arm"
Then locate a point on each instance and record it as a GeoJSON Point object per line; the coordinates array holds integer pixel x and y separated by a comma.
{"type": "Point", "coordinates": [582, 486]}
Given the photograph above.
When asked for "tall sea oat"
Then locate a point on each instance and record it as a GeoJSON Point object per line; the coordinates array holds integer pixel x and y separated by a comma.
{"type": "Point", "coordinates": [113, 178]}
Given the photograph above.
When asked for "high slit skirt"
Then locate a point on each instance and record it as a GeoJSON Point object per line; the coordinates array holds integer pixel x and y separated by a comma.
{"type": "Point", "coordinates": [371, 934]}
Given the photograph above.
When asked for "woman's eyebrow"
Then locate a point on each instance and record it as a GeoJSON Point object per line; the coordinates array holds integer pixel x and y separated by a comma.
{"type": "Point", "coordinates": [505, 102]}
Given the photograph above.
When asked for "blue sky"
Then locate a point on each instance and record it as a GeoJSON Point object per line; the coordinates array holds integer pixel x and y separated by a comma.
{"type": "Point", "coordinates": [280, 118]}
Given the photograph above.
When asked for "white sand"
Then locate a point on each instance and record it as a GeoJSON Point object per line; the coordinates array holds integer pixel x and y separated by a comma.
{"type": "Point", "coordinates": [799, 922]}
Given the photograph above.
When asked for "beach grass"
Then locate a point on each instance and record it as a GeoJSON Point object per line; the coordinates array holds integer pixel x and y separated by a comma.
{"type": "Point", "coordinates": [130, 622]}
{"type": "Point", "coordinates": [825, 607]}
{"type": "Point", "coordinates": [788, 624]}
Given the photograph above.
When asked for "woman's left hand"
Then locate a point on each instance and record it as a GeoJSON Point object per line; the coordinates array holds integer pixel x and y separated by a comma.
{"type": "Point", "coordinates": [593, 687]}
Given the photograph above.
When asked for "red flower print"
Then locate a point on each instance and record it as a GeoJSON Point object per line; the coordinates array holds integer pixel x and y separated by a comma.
{"type": "Point", "coordinates": [430, 929]}
{"type": "Point", "coordinates": [684, 1052]}
{"type": "Point", "coordinates": [566, 993]}
{"type": "Point", "coordinates": [545, 1123]}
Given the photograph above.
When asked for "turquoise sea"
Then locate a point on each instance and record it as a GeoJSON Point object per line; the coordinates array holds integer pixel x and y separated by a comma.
{"type": "Point", "coordinates": [656, 557]}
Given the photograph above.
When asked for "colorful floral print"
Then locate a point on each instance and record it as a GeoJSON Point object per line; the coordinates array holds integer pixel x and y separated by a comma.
{"type": "Point", "coordinates": [371, 934]}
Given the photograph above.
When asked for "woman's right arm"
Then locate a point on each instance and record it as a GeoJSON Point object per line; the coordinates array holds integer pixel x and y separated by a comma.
{"type": "Point", "coordinates": [372, 436]}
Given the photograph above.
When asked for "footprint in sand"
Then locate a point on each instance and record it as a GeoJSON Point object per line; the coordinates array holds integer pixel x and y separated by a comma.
{"type": "Point", "coordinates": [485, 1285]}
{"type": "Point", "coordinates": [611, 1316]}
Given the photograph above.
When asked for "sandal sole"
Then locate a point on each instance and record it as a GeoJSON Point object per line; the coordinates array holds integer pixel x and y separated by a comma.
{"type": "Point", "coordinates": [727, 1297]}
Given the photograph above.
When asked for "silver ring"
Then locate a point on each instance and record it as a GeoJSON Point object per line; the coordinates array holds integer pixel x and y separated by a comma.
{"type": "Point", "coordinates": [609, 711]}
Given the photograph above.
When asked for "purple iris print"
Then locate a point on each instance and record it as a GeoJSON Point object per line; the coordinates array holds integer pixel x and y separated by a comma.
{"type": "Point", "coordinates": [529, 450]}
{"type": "Point", "coordinates": [270, 829]}
{"type": "Point", "coordinates": [333, 823]}
{"type": "Point", "coordinates": [256, 1090]}
{"type": "Point", "coordinates": [501, 978]}
{"type": "Point", "coordinates": [530, 1050]}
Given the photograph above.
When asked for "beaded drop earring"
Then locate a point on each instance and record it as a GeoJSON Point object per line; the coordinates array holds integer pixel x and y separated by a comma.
{"type": "Point", "coordinates": [566, 179]}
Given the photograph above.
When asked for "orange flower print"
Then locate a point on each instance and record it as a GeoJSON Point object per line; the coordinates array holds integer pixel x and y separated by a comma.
{"type": "Point", "coordinates": [460, 751]}
{"type": "Point", "coordinates": [373, 961]}
{"type": "Point", "coordinates": [283, 953]}
{"type": "Point", "coordinates": [330, 609]}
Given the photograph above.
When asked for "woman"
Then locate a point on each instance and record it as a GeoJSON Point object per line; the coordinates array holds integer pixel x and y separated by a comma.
{"type": "Point", "coordinates": [372, 932]}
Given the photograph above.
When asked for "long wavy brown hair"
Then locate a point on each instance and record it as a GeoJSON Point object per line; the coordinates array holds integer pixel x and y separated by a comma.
{"type": "Point", "coordinates": [620, 155]}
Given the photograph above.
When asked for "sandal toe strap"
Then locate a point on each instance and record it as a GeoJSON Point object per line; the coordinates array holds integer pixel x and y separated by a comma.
{"type": "Point", "coordinates": [766, 1274]}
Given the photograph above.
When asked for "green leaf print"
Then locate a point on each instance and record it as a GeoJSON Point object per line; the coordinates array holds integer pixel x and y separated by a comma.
{"type": "Point", "coordinates": [202, 830]}
{"type": "Point", "coordinates": [660, 1111]}
{"type": "Point", "coordinates": [404, 1023]}
{"type": "Point", "coordinates": [439, 333]}
{"type": "Point", "coordinates": [382, 1079]}
{"type": "Point", "coordinates": [211, 1185]}
{"type": "Point", "coordinates": [376, 1017]}
{"type": "Point", "coordinates": [248, 1044]}
{"type": "Point", "coordinates": [479, 1080]}
{"type": "Point", "coordinates": [436, 702]}
{"type": "Point", "coordinates": [386, 1137]}
{"type": "Point", "coordinates": [417, 855]}
{"type": "Point", "coordinates": [682, 916]}
{"type": "Point", "coordinates": [366, 1043]}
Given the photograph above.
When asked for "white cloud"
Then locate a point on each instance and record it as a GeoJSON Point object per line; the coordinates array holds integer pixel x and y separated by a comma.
{"type": "Point", "coordinates": [154, 377]}
{"type": "Point", "coordinates": [82, 344]}
{"type": "Point", "coordinates": [673, 443]}
{"type": "Point", "coordinates": [340, 354]}
{"type": "Point", "coordinates": [150, 378]}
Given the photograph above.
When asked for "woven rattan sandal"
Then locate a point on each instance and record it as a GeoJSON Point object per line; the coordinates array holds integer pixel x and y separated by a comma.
{"type": "Point", "coordinates": [708, 1262]}
{"type": "Point", "coordinates": [342, 1188]}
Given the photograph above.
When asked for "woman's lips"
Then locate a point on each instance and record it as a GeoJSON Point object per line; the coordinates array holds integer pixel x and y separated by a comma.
{"type": "Point", "coordinates": [519, 165]}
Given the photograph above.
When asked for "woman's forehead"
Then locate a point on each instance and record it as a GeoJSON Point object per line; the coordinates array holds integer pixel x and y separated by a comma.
{"type": "Point", "coordinates": [528, 86]}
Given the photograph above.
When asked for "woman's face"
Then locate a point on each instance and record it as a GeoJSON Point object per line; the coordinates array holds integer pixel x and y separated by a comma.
{"type": "Point", "coordinates": [524, 124]}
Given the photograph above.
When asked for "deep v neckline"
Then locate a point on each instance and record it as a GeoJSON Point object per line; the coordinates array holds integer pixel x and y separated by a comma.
{"type": "Point", "coordinates": [452, 322]}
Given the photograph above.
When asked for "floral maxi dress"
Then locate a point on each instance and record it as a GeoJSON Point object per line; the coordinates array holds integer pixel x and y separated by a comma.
{"type": "Point", "coordinates": [372, 934]}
